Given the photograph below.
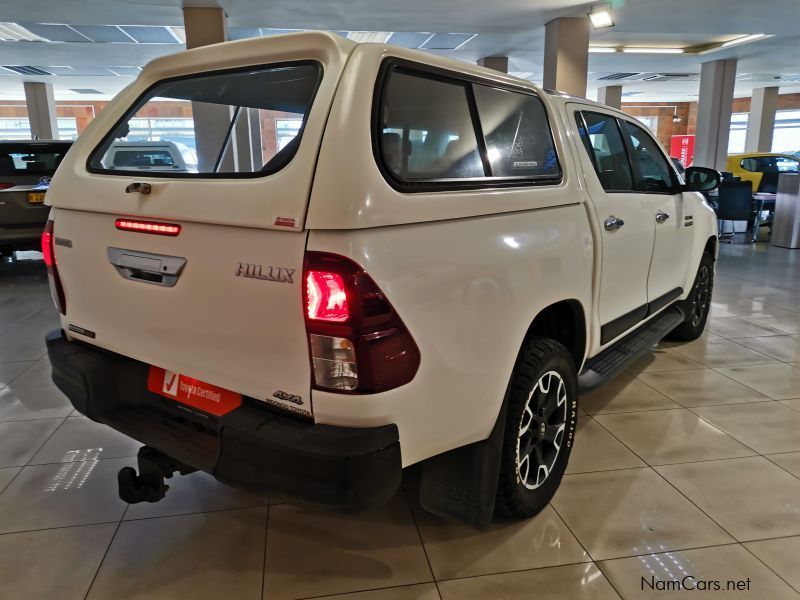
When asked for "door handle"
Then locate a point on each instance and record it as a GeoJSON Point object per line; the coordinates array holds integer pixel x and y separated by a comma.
{"type": "Point", "coordinates": [661, 216]}
{"type": "Point", "coordinates": [613, 223]}
{"type": "Point", "coordinates": [158, 269]}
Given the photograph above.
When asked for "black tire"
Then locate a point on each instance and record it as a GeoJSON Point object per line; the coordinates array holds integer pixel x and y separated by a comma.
{"type": "Point", "coordinates": [697, 304]}
{"type": "Point", "coordinates": [539, 358]}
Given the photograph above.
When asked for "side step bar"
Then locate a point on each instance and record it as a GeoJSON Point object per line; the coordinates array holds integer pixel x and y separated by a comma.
{"type": "Point", "coordinates": [600, 369]}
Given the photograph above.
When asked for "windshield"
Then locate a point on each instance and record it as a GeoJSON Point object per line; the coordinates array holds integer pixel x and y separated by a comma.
{"type": "Point", "coordinates": [770, 164]}
{"type": "Point", "coordinates": [30, 161]}
{"type": "Point", "coordinates": [222, 123]}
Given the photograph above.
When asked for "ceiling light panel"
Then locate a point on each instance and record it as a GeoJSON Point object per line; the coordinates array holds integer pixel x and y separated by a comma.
{"type": "Point", "coordinates": [149, 35]}
{"type": "Point", "coordinates": [744, 40]}
{"type": "Point", "coordinates": [12, 32]}
{"type": "Point", "coordinates": [407, 39]}
{"type": "Point", "coordinates": [243, 33]}
{"type": "Point", "coordinates": [104, 34]}
{"type": "Point", "coordinates": [86, 91]}
{"type": "Point", "coordinates": [128, 71]}
{"type": "Point", "coordinates": [364, 37]}
{"type": "Point", "coordinates": [602, 50]}
{"type": "Point", "coordinates": [600, 17]}
{"type": "Point", "coordinates": [270, 31]}
{"type": "Point", "coordinates": [653, 50]}
{"type": "Point", "coordinates": [447, 41]}
{"type": "Point", "coordinates": [522, 74]}
{"type": "Point", "coordinates": [80, 71]}
{"type": "Point", "coordinates": [55, 33]}
{"type": "Point", "coordinates": [24, 70]}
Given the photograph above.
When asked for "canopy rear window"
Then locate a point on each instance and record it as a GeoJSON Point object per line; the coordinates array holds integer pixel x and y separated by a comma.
{"type": "Point", "coordinates": [244, 122]}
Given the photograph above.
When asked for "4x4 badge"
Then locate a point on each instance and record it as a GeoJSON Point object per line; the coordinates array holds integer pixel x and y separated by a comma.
{"type": "Point", "coordinates": [269, 273]}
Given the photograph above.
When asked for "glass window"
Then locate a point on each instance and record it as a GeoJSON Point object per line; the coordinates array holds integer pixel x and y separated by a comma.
{"type": "Point", "coordinates": [770, 164]}
{"type": "Point", "coordinates": [653, 173]}
{"type": "Point", "coordinates": [29, 160]}
{"type": "Point", "coordinates": [218, 123]}
{"type": "Point", "coordinates": [517, 134]}
{"type": "Point", "coordinates": [603, 142]}
{"type": "Point", "coordinates": [426, 130]}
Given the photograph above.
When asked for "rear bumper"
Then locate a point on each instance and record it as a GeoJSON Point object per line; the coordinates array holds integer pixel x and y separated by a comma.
{"type": "Point", "coordinates": [253, 447]}
{"type": "Point", "coordinates": [27, 237]}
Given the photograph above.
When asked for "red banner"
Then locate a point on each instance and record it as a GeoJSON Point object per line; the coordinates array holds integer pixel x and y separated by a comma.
{"type": "Point", "coordinates": [682, 148]}
{"type": "Point", "coordinates": [196, 393]}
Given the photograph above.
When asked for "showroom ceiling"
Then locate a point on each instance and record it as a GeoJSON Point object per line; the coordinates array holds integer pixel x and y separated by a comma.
{"type": "Point", "coordinates": [97, 46]}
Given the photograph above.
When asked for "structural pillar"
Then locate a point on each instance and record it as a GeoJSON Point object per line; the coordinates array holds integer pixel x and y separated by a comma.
{"type": "Point", "coordinates": [761, 124]}
{"type": "Point", "coordinates": [610, 95]}
{"type": "Point", "coordinates": [717, 79]}
{"type": "Point", "coordinates": [206, 26]}
{"type": "Point", "coordinates": [41, 110]}
{"type": "Point", "coordinates": [566, 55]}
{"type": "Point", "coordinates": [498, 63]}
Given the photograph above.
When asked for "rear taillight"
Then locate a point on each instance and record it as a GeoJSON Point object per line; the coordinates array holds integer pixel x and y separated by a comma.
{"type": "Point", "coordinates": [4, 185]}
{"type": "Point", "coordinates": [357, 341]}
{"type": "Point", "coordinates": [48, 251]}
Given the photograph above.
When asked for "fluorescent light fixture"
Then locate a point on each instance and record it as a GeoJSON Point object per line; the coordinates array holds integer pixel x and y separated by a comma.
{"type": "Point", "coordinates": [12, 32]}
{"type": "Point", "coordinates": [601, 16]}
{"type": "Point", "coordinates": [653, 50]}
{"type": "Point", "coordinates": [602, 50]}
{"type": "Point", "coordinates": [375, 37]}
{"type": "Point", "coordinates": [743, 40]}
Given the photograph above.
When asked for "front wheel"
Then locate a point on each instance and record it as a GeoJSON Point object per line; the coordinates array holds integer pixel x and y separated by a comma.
{"type": "Point", "coordinates": [540, 427]}
{"type": "Point", "coordinates": [696, 307]}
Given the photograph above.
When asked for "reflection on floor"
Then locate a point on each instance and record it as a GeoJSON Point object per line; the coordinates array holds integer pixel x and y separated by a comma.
{"type": "Point", "coordinates": [687, 465]}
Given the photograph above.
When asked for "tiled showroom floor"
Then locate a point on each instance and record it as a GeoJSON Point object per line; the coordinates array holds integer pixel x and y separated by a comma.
{"type": "Point", "coordinates": [687, 464]}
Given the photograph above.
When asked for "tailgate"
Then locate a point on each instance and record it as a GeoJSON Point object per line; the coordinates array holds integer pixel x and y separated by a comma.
{"type": "Point", "coordinates": [222, 143]}
{"type": "Point", "coordinates": [232, 316]}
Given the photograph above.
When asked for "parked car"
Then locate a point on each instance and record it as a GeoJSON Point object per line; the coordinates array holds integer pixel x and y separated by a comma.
{"type": "Point", "coordinates": [762, 169]}
{"type": "Point", "coordinates": [145, 156]}
{"type": "Point", "coordinates": [26, 167]}
{"type": "Point", "coordinates": [438, 294]}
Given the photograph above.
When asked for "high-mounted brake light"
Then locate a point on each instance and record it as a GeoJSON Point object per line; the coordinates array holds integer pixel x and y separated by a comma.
{"type": "Point", "coordinates": [357, 341]}
{"type": "Point", "coordinates": [326, 297]}
{"type": "Point", "coordinates": [48, 252]}
{"type": "Point", "coordinates": [148, 227]}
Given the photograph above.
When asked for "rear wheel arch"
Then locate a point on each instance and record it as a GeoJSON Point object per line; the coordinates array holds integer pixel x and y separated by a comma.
{"type": "Point", "coordinates": [564, 322]}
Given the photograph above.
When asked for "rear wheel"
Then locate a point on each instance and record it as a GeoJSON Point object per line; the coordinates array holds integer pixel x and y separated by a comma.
{"type": "Point", "coordinates": [540, 426]}
{"type": "Point", "coordinates": [698, 304]}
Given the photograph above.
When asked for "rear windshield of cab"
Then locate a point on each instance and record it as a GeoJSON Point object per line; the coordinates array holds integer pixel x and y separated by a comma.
{"type": "Point", "coordinates": [234, 123]}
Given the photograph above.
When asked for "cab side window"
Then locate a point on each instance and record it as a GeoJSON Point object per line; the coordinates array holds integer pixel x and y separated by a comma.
{"type": "Point", "coordinates": [603, 141]}
{"type": "Point", "coordinates": [652, 172]}
{"type": "Point", "coordinates": [427, 131]}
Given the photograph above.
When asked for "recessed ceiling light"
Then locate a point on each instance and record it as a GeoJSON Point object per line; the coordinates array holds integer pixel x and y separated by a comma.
{"type": "Point", "coordinates": [601, 16]}
{"type": "Point", "coordinates": [653, 50]}
{"type": "Point", "coordinates": [743, 40]}
{"type": "Point", "coordinates": [375, 37]}
{"type": "Point", "coordinates": [602, 50]}
{"type": "Point", "coordinates": [12, 32]}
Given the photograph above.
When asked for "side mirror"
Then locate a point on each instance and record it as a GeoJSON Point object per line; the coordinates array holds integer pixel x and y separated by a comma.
{"type": "Point", "coordinates": [701, 179]}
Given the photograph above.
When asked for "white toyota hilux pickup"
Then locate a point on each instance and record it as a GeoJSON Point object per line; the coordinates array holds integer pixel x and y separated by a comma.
{"type": "Point", "coordinates": [383, 258]}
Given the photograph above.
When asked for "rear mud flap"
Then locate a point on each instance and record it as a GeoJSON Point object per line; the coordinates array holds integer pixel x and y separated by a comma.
{"type": "Point", "coordinates": [462, 484]}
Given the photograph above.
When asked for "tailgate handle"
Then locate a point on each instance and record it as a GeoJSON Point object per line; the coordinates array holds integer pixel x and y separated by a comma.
{"type": "Point", "coordinates": [158, 269]}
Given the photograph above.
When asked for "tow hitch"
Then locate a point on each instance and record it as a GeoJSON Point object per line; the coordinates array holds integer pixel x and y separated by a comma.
{"type": "Point", "coordinates": [148, 485]}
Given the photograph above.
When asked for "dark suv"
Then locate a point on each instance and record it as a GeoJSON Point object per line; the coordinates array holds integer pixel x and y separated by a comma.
{"type": "Point", "coordinates": [26, 167]}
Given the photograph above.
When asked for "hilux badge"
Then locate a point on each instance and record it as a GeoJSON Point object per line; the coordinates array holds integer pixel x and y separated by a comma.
{"type": "Point", "coordinates": [268, 273]}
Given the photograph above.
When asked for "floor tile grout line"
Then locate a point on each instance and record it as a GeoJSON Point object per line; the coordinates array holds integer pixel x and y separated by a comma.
{"type": "Point", "coordinates": [577, 539]}
{"type": "Point", "coordinates": [264, 555]}
{"type": "Point", "coordinates": [778, 575]}
{"type": "Point", "coordinates": [723, 430]}
{"type": "Point", "coordinates": [421, 541]}
{"type": "Point", "coordinates": [27, 464]}
{"type": "Point", "coordinates": [674, 487]}
{"type": "Point", "coordinates": [137, 519]}
{"type": "Point", "coordinates": [717, 370]}
{"type": "Point", "coordinates": [366, 590]}
{"type": "Point", "coordinates": [49, 437]}
{"type": "Point", "coordinates": [108, 548]}
{"type": "Point", "coordinates": [767, 456]}
{"type": "Point", "coordinates": [629, 412]}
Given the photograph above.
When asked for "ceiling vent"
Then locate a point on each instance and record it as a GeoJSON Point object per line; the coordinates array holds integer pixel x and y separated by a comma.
{"type": "Point", "coordinates": [85, 91]}
{"type": "Point", "coordinates": [22, 70]}
{"type": "Point", "coordinates": [617, 76]}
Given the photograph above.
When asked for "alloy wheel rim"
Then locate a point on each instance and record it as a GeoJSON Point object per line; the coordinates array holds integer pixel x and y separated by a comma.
{"type": "Point", "coordinates": [541, 430]}
{"type": "Point", "coordinates": [702, 295]}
